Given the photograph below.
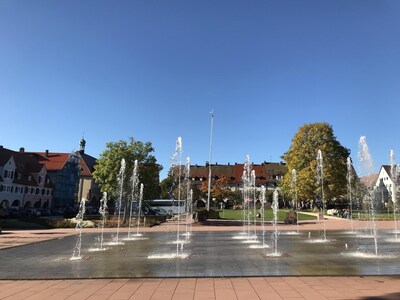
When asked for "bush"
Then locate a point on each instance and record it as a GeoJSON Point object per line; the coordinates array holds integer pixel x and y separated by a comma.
{"type": "Point", "coordinates": [202, 215]}
{"type": "Point", "coordinates": [291, 217]}
{"type": "Point", "coordinates": [213, 214]}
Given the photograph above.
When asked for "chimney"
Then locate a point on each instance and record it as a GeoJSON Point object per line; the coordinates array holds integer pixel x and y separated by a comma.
{"type": "Point", "coordinates": [22, 149]}
{"type": "Point", "coordinates": [46, 154]}
{"type": "Point", "coordinates": [1, 146]}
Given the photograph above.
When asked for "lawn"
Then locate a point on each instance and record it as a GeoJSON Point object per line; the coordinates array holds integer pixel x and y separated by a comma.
{"type": "Point", "coordinates": [233, 214]}
{"type": "Point", "coordinates": [378, 216]}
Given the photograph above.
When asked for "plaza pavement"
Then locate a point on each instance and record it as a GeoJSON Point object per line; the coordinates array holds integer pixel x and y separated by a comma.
{"type": "Point", "coordinates": [313, 287]}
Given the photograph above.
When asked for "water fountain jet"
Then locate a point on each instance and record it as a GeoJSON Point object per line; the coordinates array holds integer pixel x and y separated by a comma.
{"type": "Point", "coordinates": [320, 181]}
{"type": "Point", "coordinates": [275, 234]}
{"type": "Point", "coordinates": [76, 253]}
{"type": "Point", "coordinates": [121, 178]}
{"type": "Point", "coordinates": [103, 213]}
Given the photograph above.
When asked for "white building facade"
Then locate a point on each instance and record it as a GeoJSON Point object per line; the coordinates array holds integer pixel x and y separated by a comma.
{"type": "Point", "coordinates": [23, 181]}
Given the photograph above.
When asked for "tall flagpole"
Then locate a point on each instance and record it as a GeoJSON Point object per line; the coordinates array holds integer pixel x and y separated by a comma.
{"type": "Point", "coordinates": [209, 162]}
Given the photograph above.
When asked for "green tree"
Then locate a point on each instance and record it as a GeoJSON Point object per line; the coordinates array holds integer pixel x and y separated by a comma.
{"type": "Point", "coordinates": [302, 156]}
{"type": "Point", "coordinates": [167, 186]}
{"type": "Point", "coordinates": [109, 163]}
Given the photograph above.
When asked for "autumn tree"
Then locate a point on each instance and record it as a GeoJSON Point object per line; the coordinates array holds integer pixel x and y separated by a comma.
{"type": "Point", "coordinates": [302, 156]}
{"type": "Point", "coordinates": [220, 190]}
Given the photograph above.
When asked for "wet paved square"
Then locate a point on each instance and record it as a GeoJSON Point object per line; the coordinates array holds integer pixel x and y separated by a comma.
{"type": "Point", "coordinates": [211, 254]}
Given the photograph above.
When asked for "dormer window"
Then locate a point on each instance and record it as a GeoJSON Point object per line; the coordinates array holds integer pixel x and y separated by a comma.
{"type": "Point", "coordinates": [29, 178]}
{"type": "Point", "coordinates": [40, 179]}
{"type": "Point", "coordinates": [19, 176]}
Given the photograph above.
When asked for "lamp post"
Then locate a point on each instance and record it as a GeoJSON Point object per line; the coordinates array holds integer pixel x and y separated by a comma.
{"type": "Point", "coordinates": [209, 162]}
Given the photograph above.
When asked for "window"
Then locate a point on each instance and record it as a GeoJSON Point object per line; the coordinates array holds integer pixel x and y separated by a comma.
{"type": "Point", "coordinates": [32, 190]}
{"type": "Point", "coordinates": [12, 174]}
{"type": "Point", "coordinates": [12, 189]}
{"type": "Point", "coordinates": [26, 190]}
{"type": "Point", "coordinates": [40, 179]}
{"type": "Point", "coordinates": [1, 188]}
{"type": "Point", "coordinates": [29, 178]}
{"type": "Point", "coordinates": [5, 173]}
{"type": "Point", "coordinates": [48, 192]}
{"type": "Point", "coordinates": [16, 189]}
{"type": "Point", "coordinates": [43, 191]}
{"type": "Point", "coordinates": [37, 191]}
{"type": "Point", "coordinates": [19, 176]}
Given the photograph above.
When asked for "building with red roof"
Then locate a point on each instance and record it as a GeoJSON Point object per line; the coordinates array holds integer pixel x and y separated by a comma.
{"type": "Point", "coordinates": [88, 188]}
{"type": "Point", "coordinates": [24, 181]}
{"type": "Point", "coordinates": [64, 170]}
{"type": "Point", "coordinates": [267, 174]}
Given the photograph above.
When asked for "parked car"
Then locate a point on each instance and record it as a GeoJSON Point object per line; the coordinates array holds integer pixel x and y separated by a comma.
{"type": "Point", "coordinates": [32, 212]}
{"type": "Point", "coordinates": [45, 212]}
{"type": "Point", "coordinates": [14, 212]}
{"type": "Point", "coordinates": [4, 213]}
{"type": "Point", "coordinates": [59, 211]}
{"type": "Point", "coordinates": [70, 212]}
{"type": "Point", "coordinates": [163, 212]}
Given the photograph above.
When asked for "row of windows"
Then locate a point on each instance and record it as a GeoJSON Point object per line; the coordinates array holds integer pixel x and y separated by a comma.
{"type": "Point", "coordinates": [10, 174]}
{"type": "Point", "coordinates": [278, 177]}
{"type": "Point", "coordinates": [27, 190]}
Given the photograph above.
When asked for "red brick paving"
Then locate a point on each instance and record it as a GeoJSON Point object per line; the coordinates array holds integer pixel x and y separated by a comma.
{"type": "Point", "coordinates": [206, 288]}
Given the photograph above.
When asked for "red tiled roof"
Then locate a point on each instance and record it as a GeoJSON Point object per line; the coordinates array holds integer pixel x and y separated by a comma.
{"type": "Point", "coordinates": [53, 161]}
{"type": "Point", "coordinates": [234, 172]}
{"type": "Point", "coordinates": [25, 163]}
{"type": "Point", "coordinates": [87, 164]}
{"type": "Point", "coordinates": [369, 180]}
{"type": "Point", "coordinates": [84, 168]}
{"type": "Point", "coordinates": [56, 161]}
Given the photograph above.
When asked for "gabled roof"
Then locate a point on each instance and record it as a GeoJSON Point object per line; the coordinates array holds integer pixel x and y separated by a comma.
{"type": "Point", "coordinates": [369, 180]}
{"type": "Point", "coordinates": [5, 155]}
{"type": "Point", "coordinates": [87, 164]}
{"type": "Point", "coordinates": [56, 161]}
{"type": "Point", "coordinates": [25, 165]}
{"type": "Point", "coordinates": [388, 170]}
{"type": "Point", "coordinates": [53, 161]}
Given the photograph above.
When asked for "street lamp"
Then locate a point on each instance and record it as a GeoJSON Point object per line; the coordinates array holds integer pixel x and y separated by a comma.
{"type": "Point", "coordinates": [209, 162]}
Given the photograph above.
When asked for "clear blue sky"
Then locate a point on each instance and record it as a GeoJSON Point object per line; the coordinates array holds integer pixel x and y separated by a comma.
{"type": "Point", "coordinates": [154, 69]}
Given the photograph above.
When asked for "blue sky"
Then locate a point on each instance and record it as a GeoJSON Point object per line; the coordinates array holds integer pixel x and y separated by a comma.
{"type": "Point", "coordinates": [154, 70]}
